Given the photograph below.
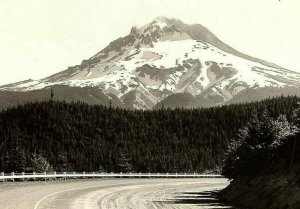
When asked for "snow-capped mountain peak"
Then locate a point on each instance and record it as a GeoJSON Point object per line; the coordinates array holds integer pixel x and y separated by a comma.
{"type": "Point", "coordinates": [167, 57]}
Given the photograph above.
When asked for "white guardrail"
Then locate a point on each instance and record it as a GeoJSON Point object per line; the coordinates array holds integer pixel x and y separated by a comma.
{"type": "Point", "coordinates": [65, 175]}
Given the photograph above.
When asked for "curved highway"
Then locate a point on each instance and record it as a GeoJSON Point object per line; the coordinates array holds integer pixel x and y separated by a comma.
{"type": "Point", "coordinates": [112, 194]}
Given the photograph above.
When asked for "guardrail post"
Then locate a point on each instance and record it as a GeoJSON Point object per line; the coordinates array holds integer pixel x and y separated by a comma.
{"type": "Point", "coordinates": [74, 173]}
{"type": "Point", "coordinates": [12, 174]}
{"type": "Point", "coordinates": [23, 174]}
{"type": "Point", "coordinates": [149, 174]}
{"type": "Point", "coordinates": [84, 176]}
{"type": "Point", "coordinates": [121, 174]}
{"type": "Point", "coordinates": [185, 175]}
{"type": "Point", "coordinates": [33, 173]}
{"type": "Point", "coordinates": [176, 174]}
{"type": "Point", "coordinates": [140, 175]}
{"type": "Point", "coordinates": [168, 175]}
{"type": "Point", "coordinates": [64, 173]}
{"type": "Point", "coordinates": [2, 174]}
{"type": "Point", "coordinates": [54, 174]}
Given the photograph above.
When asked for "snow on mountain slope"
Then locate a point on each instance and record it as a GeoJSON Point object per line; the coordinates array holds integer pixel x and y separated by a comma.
{"type": "Point", "coordinates": [163, 58]}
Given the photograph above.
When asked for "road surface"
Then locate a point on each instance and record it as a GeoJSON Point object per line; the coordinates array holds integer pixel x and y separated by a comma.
{"type": "Point", "coordinates": [112, 194]}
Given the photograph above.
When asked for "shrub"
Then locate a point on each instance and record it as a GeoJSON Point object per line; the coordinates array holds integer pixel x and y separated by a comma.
{"type": "Point", "coordinates": [40, 164]}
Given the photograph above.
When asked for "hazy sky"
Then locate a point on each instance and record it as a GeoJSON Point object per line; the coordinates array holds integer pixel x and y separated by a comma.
{"type": "Point", "coordinates": [41, 37]}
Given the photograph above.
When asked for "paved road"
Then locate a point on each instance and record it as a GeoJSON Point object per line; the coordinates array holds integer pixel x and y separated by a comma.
{"type": "Point", "coordinates": [112, 194]}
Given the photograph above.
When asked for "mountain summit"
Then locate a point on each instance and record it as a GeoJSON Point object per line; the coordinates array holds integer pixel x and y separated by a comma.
{"type": "Point", "coordinates": [167, 61]}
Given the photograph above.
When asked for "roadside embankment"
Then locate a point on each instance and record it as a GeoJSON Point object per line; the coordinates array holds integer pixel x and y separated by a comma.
{"type": "Point", "coordinates": [278, 189]}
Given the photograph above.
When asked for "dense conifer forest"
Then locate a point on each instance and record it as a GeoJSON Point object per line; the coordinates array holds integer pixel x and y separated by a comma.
{"type": "Point", "coordinates": [80, 137]}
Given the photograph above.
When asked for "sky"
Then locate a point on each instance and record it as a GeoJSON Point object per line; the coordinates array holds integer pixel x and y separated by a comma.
{"type": "Point", "coordinates": [41, 37]}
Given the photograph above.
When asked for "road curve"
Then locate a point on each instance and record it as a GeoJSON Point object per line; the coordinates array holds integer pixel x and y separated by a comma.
{"type": "Point", "coordinates": [112, 194]}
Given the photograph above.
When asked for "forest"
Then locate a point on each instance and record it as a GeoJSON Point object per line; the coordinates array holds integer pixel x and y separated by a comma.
{"type": "Point", "coordinates": [80, 137]}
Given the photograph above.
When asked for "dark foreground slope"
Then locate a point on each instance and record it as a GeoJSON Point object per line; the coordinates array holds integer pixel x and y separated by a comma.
{"type": "Point", "coordinates": [277, 187]}
{"type": "Point", "coordinates": [81, 137]}
{"type": "Point", "coordinates": [271, 191]}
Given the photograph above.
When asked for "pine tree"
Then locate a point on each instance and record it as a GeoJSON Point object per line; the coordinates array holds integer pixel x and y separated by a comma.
{"type": "Point", "coordinates": [15, 157]}
{"type": "Point", "coordinates": [51, 94]}
{"type": "Point", "coordinates": [256, 143]}
{"type": "Point", "coordinates": [124, 163]}
{"type": "Point", "coordinates": [110, 104]}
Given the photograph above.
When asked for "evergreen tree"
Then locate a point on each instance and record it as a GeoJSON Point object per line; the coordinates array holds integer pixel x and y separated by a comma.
{"type": "Point", "coordinates": [256, 143]}
{"type": "Point", "coordinates": [124, 163]}
{"type": "Point", "coordinates": [51, 94]}
{"type": "Point", "coordinates": [15, 157]}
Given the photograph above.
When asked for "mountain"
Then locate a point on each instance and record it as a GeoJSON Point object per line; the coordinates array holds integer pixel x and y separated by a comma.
{"type": "Point", "coordinates": [167, 61]}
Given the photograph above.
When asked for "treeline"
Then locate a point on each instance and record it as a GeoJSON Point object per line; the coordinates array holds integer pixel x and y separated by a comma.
{"type": "Point", "coordinates": [79, 137]}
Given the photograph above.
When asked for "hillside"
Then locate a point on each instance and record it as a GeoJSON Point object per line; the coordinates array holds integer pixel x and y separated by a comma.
{"type": "Point", "coordinates": [88, 95]}
{"type": "Point", "coordinates": [81, 137]}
